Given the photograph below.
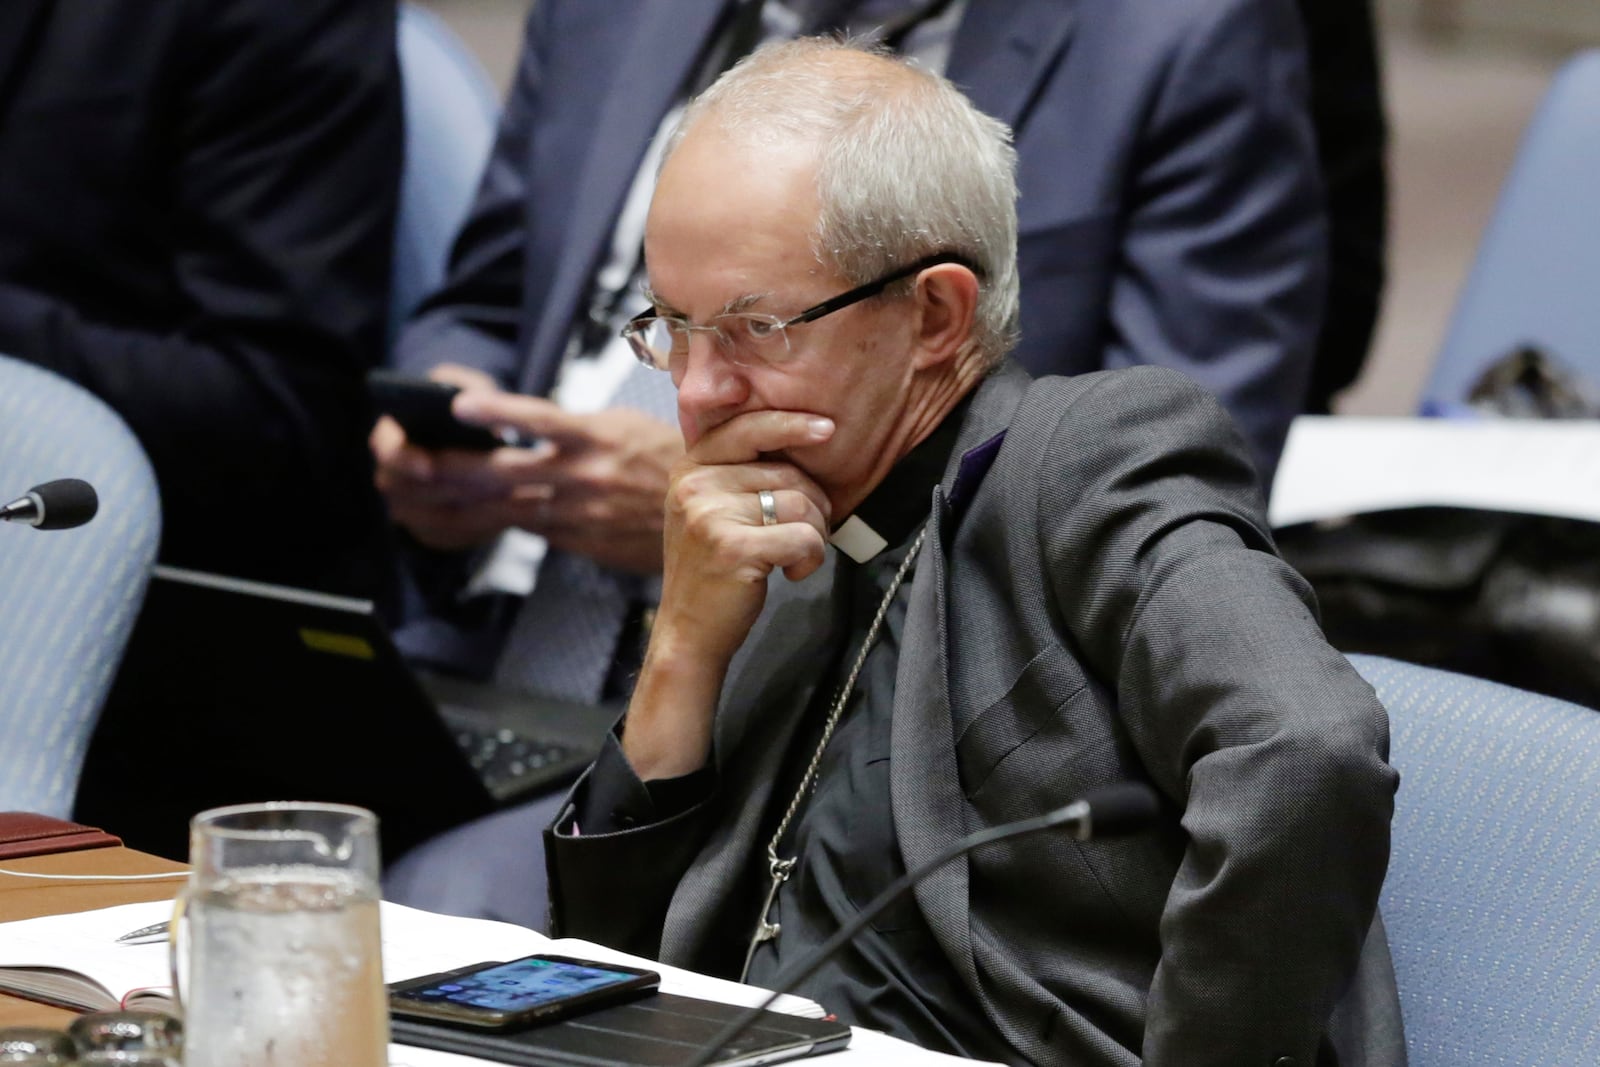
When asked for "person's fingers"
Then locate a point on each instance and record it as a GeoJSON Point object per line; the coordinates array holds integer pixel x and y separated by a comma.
{"type": "Point", "coordinates": [811, 549]}
{"type": "Point", "coordinates": [386, 438]}
{"type": "Point", "coordinates": [746, 480]}
{"type": "Point", "coordinates": [506, 467]}
{"type": "Point", "coordinates": [450, 494]}
{"type": "Point", "coordinates": [792, 505]}
{"type": "Point", "coordinates": [529, 416]}
{"type": "Point", "coordinates": [397, 463]}
{"type": "Point", "coordinates": [446, 527]}
{"type": "Point", "coordinates": [795, 548]}
{"type": "Point", "coordinates": [466, 378]}
{"type": "Point", "coordinates": [745, 438]}
{"type": "Point", "coordinates": [725, 543]}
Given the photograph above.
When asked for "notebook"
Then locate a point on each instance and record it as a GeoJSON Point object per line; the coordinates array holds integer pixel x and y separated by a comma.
{"type": "Point", "coordinates": [26, 833]}
{"type": "Point", "coordinates": [347, 719]}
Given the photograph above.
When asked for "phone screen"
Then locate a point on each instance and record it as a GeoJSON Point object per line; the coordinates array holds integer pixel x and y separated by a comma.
{"type": "Point", "coordinates": [518, 986]}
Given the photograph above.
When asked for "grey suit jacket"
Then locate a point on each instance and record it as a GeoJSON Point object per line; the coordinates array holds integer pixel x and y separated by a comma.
{"type": "Point", "coordinates": [1108, 606]}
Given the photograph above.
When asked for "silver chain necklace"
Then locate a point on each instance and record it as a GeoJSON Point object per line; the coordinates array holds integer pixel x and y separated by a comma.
{"type": "Point", "coordinates": [779, 868]}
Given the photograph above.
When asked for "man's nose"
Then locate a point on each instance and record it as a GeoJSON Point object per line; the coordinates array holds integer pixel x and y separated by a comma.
{"type": "Point", "coordinates": [707, 379]}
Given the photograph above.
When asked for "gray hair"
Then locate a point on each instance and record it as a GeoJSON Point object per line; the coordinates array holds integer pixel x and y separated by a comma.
{"type": "Point", "coordinates": [906, 166]}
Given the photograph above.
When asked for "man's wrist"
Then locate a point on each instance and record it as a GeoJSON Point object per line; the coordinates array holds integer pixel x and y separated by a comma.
{"type": "Point", "coordinates": [667, 731]}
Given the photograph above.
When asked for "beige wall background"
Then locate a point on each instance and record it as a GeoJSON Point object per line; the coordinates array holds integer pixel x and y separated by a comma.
{"type": "Point", "coordinates": [1462, 79]}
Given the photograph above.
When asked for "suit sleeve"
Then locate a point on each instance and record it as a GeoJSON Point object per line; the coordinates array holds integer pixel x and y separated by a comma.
{"type": "Point", "coordinates": [1225, 243]}
{"type": "Point", "coordinates": [284, 143]}
{"type": "Point", "coordinates": [1268, 742]}
{"type": "Point", "coordinates": [473, 319]}
{"type": "Point", "coordinates": [618, 849]}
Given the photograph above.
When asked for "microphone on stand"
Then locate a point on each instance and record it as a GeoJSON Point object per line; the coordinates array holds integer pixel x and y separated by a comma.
{"type": "Point", "coordinates": [58, 505]}
{"type": "Point", "coordinates": [1109, 811]}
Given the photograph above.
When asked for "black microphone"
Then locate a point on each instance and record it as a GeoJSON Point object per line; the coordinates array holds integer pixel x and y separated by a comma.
{"type": "Point", "coordinates": [1109, 811]}
{"type": "Point", "coordinates": [58, 505]}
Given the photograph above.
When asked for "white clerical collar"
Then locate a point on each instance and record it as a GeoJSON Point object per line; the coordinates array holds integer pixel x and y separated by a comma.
{"type": "Point", "coordinates": [858, 540]}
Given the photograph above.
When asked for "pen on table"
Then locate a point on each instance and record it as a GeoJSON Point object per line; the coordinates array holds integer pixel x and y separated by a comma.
{"type": "Point", "coordinates": [144, 935]}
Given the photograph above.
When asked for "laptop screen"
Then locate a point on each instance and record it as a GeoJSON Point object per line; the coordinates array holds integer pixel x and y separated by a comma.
{"type": "Point", "coordinates": [259, 692]}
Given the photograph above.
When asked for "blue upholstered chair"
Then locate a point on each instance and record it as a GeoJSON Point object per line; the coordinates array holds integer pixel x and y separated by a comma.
{"type": "Point", "coordinates": [451, 109]}
{"type": "Point", "coordinates": [1536, 276]}
{"type": "Point", "coordinates": [1492, 903]}
{"type": "Point", "coordinates": [67, 597]}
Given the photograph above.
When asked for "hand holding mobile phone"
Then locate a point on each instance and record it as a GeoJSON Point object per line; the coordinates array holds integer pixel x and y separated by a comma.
{"type": "Point", "coordinates": [422, 408]}
{"type": "Point", "coordinates": [522, 993]}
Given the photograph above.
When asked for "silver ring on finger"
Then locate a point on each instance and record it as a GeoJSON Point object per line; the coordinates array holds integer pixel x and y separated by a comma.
{"type": "Point", "coordinates": [769, 507]}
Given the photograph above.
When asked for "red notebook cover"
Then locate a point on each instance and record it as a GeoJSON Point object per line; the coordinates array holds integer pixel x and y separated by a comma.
{"type": "Point", "coordinates": [23, 833]}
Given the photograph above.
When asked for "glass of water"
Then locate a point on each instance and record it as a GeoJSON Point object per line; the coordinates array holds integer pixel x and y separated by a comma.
{"type": "Point", "coordinates": [277, 958]}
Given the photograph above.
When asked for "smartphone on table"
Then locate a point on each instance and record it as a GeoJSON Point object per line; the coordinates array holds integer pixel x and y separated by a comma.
{"type": "Point", "coordinates": [518, 994]}
{"type": "Point", "coordinates": [422, 408]}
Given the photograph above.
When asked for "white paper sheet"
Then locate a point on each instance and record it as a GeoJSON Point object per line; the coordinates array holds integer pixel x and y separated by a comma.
{"type": "Point", "coordinates": [1341, 465]}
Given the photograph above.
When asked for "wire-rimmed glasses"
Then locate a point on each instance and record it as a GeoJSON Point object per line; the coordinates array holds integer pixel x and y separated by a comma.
{"type": "Point", "coordinates": [749, 337]}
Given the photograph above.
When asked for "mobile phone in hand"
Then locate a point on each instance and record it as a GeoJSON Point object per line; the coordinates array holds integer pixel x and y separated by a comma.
{"type": "Point", "coordinates": [527, 992]}
{"type": "Point", "coordinates": [422, 408]}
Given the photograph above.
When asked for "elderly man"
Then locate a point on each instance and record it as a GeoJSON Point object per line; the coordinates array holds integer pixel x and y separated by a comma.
{"type": "Point", "coordinates": [1170, 215]}
{"type": "Point", "coordinates": [1035, 588]}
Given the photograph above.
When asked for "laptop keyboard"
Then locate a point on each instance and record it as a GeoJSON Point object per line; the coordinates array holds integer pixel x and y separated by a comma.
{"type": "Point", "coordinates": [504, 756]}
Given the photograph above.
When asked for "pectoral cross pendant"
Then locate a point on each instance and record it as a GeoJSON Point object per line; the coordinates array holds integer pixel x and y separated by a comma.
{"type": "Point", "coordinates": [768, 931]}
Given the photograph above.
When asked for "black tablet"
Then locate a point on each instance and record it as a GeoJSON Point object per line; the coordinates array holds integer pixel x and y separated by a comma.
{"type": "Point", "coordinates": [658, 1030]}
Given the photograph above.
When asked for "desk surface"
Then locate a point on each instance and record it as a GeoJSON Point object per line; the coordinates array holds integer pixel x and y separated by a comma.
{"type": "Point", "coordinates": [26, 898]}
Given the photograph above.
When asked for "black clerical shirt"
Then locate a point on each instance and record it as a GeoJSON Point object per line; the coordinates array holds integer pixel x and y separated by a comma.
{"type": "Point", "coordinates": [894, 977]}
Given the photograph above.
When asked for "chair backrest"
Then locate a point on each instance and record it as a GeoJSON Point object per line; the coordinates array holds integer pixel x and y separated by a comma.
{"type": "Point", "coordinates": [451, 109]}
{"type": "Point", "coordinates": [1536, 276]}
{"type": "Point", "coordinates": [1492, 903]}
{"type": "Point", "coordinates": [67, 597]}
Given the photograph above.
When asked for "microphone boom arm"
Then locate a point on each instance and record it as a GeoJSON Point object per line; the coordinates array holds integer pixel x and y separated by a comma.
{"type": "Point", "coordinates": [1133, 810]}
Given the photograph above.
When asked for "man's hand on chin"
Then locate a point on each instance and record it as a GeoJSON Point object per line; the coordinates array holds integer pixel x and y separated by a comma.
{"type": "Point", "coordinates": [720, 547]}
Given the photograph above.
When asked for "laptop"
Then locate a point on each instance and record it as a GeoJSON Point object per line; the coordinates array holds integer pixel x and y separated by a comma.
{"type": "Point", "coordinates": [272, 692]}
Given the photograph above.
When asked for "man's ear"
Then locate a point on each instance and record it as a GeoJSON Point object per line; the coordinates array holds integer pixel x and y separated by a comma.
{"type": "Point", "coordinates": [947, 303]}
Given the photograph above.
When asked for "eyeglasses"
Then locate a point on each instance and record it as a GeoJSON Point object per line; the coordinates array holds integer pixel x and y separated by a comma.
{"type": "Point", "coordinates": [749, 337]}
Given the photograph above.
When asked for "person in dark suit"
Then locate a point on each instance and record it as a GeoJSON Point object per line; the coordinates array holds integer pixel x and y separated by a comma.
{"type": "Point", "coordinates": [196, 215]}
{"type": "Point", "coordinates": [196, 212]}
{"type": "Point", "coordinates": [1034, 588]}
{"type": "Point", "coordinates": [1170, 215]}
{"type": "Point", "coordinates": [1347, 113]}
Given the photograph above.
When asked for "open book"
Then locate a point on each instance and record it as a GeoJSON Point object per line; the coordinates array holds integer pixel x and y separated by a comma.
{"type": "Point", "coordinates": [75, 961]}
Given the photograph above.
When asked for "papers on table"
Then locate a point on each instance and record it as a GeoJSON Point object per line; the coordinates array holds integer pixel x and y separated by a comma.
{"type": "Point", "coordinates": [80, 950]}
{"type": "Point", "coordinates": [79, 955]}
{"type": "Point", "coordinates": [1345, 465]}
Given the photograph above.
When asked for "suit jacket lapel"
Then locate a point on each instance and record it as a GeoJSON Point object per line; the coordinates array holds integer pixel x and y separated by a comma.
{"type": "Point", "coordinates": [924, 792]}
{"type": "Point", "coordinates": [928, 807]}
{"type": "Point", "coordinates": [19, 22]}
{"type": "Point", "coordinates": [1003, 51]}
{"type": "Point", "coordinates": [648, 75]}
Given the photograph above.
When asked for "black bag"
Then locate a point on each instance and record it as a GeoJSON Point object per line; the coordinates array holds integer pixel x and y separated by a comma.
{"type": "Point", "coordinates": [1510, 597]}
